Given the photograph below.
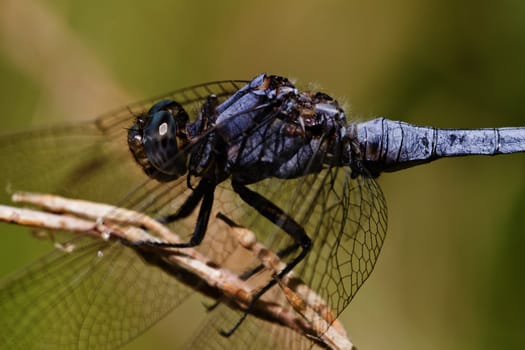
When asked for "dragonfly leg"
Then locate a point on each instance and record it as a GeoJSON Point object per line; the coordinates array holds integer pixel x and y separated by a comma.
{"type": "Point", "coordinates": [205, 192]}
{"type": "Point", "coordinates": [283, 253]}
{"type": "Point", "coordinates": [277, 216]}
{"type": "Point", "coordinates": [189, 204]}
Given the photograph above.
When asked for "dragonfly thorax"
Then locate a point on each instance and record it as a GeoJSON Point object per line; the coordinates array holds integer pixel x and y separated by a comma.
{"type": "Point", "coordinates": [157, 138]}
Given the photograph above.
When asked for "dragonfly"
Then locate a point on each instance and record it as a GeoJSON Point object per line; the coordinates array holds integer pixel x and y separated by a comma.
{"type": "Point", "coordinates": [282, 162]}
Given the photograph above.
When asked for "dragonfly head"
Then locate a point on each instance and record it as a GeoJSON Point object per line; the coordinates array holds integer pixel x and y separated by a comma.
{"type": "Point", "coordinates": [157, 140]}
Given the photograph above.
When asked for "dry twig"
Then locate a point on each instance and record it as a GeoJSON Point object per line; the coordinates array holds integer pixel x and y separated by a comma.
{"type": "Point", "coordinates": [303, 310]}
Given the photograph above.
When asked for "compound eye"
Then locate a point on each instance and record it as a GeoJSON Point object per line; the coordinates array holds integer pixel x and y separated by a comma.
{"type": "Point", "coordinates": [174, 108]}
{"type": "Point", "coordinates": [164, 138]}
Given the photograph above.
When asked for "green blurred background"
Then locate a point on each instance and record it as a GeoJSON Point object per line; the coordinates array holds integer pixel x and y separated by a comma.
{"type": "Point", "coordinates": [450, 275]}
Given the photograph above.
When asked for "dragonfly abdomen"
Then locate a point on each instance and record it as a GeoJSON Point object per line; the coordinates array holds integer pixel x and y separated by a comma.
{"type": "Point", "coordinates": [383, 145]}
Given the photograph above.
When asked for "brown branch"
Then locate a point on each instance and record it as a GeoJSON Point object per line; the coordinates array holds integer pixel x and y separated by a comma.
{"type": "Point", "coordinates": [298, 308]}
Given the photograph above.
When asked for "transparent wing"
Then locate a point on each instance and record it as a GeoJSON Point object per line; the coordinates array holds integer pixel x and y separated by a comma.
{"type": "Point", "coordinates": [346, 218]}
{"type": "Point", "coordinates": [102, 295]}
{"type": "Point", "coordinates": [253, 334]}
{"type": "Point", "coordinates": [89, 160]}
